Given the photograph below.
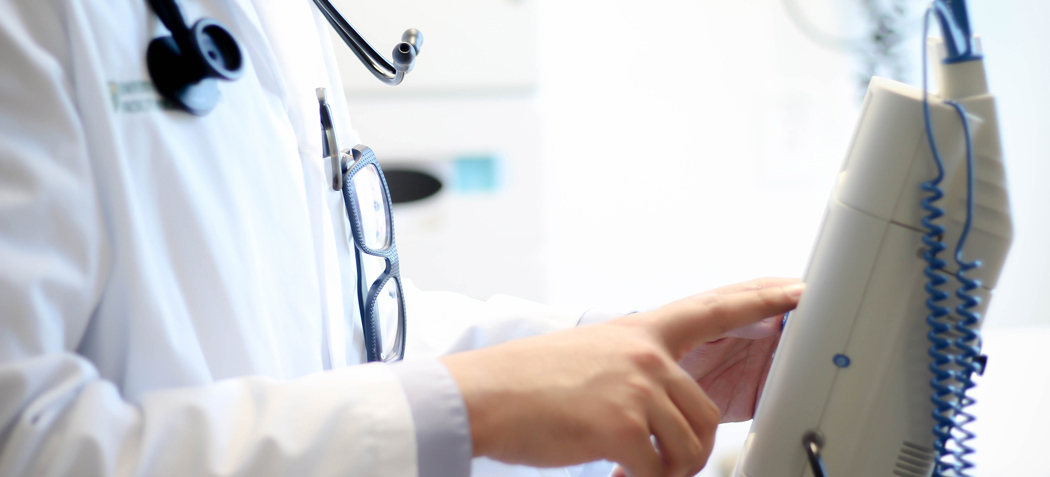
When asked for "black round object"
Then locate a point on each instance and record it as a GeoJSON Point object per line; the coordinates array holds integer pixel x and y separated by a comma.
{"type": "Point", "coordinates": [178, 79]}
{"type": "Point", "coordinates": [184, 67]}
{"type": "Point", "coordinates": [217, 49]}
{"type": "Point", "coordinates": [407, 185]}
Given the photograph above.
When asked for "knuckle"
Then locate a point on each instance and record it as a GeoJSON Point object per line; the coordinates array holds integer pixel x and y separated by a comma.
{"type": "Point", "coordinates": [695, 452]}
{"type": "Point", "coordinates": [648, 358]}
{"type": "Point", "coordinates": [632, 428]}
{"type": "Point", "coordinates": [696, 461]}
{"type": "Point", "coordinates": [710, 300]}
{"type": "Point", "coordinates": [719, 311]}
{"type": "Point", "coordinates": [697, 466]}
{"type": "Point", "coordinates": [691, 459]}
{"type": "Point", "coordinates": [704, 417]}
{"type": "Point", "coordinates": [712, 414]}
{"type": "Point", "coordinates": [641, 392]}
{"type": "Point", "coordinates": [716, 305]}
{"type": "Point", "coordinates": [771, 296]}
{"type": "Point", "coordinates": [763, 282]}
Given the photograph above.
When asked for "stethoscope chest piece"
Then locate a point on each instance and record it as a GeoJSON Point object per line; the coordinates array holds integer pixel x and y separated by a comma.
{"type": "Point", "coordinates": [185, 66]}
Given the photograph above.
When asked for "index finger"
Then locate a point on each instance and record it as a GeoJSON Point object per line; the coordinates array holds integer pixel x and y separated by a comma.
{"type": "Point", "coordinates": [764, 282]}
{"type": "Point", "coordinates": [687, 323]}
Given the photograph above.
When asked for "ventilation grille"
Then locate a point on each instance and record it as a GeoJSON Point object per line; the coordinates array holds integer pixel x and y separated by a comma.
{"type": "Point", "coordinates": [914, 461]}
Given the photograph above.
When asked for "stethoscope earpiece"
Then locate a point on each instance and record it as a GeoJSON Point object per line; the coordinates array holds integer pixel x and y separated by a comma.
{"type": "Point", "coordinates": [404, 57]}
{"type": "Point", "coordinates": [185, 66]}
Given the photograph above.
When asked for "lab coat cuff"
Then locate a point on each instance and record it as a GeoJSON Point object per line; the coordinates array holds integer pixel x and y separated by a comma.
{"type": "Point", "coordinates": [595, 316]}
{"type": "Point", "coordinates": [443, 444]}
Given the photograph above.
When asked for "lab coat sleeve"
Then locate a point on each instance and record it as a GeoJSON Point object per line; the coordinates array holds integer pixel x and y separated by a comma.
{"type": "Point", "coordinates": [61, 419]}
{"type": "Point", "coordinates": [57, 416]}
{"type": "Point", "coordinates": [443, 443]}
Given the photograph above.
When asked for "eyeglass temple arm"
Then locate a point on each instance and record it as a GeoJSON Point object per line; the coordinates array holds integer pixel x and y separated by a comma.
{"type": "Point", "coordinates": [404, 53]}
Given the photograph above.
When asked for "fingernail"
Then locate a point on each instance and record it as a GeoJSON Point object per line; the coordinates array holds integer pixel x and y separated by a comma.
{"type": "Point", "coordinates": [795, 290]}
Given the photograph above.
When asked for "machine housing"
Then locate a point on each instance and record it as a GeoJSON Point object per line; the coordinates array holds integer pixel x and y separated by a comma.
{"type": "Point", "coordinates": [853, 363]}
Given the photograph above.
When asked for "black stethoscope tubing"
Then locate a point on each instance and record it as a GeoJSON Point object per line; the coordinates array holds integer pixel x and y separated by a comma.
{"type": "Point", "coordinates": [386, 71]}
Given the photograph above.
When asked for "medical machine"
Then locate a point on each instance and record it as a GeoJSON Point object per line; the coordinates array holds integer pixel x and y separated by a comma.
{"type": "Point", "coordinates": [872, 373]}
{"type": "Point", "coordinates": [185, 66]}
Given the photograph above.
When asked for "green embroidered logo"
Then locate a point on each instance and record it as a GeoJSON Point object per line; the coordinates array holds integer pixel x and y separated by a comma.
{"type": "Point", "coordinates": [136, 97]}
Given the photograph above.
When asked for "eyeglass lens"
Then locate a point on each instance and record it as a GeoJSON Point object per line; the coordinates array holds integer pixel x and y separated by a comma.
{"type": "Point", "coordinates": [371, 204]}
{"type": "Point", "coordinates": [386, 304]}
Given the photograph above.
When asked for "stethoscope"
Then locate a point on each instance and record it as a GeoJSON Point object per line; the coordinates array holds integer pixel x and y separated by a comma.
{"type": "Point", "coordinates": [185, 66]}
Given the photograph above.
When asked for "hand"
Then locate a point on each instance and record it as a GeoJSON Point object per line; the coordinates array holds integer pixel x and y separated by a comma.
{"type": "Point", "coordinates": [732, 369]}
{"type": "Point", "coordinates": [601, 391]}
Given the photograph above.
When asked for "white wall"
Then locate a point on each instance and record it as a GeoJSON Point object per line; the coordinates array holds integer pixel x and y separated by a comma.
{"type": "Point", "coordinates": [687, 144]}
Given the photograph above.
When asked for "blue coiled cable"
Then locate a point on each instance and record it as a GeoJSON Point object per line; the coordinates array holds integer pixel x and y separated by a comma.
{"type": "Point", "coordinates": [940, 332]}
{"type": "Point", "coordinates": [954, 346]}
{"type": "Point", "coordinates": [968, 343]}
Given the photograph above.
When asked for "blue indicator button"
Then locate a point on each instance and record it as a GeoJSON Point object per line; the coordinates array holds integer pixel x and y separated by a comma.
{"type": "Point", "coordinates": [841, 360]}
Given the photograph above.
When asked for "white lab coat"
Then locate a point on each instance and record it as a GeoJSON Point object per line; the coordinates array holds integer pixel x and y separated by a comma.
{"type": "Point", "coordinates": [177, 292]}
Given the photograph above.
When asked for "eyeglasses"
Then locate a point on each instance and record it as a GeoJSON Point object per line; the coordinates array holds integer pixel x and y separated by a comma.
{"type": "Point", "coordinates": [380, 295]}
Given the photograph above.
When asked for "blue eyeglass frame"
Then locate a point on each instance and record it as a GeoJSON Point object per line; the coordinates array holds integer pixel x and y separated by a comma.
{"type": "Point", "coordinates": [367, 295]}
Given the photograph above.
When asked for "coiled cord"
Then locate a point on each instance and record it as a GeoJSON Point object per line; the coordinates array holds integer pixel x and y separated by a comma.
{"type": "Point", "coordinates": [968, 342]}
{"type": "Point", "coordinates": [955, 343]}
{"type": "Point", "coordinates": [940, 332]}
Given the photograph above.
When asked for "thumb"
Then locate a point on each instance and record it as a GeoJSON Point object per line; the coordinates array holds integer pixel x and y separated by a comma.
{"type": "Point", "coordinates": [685, 324]}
